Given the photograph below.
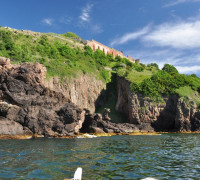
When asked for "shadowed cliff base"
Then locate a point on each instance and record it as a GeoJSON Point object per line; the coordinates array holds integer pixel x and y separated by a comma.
{"type": "Point", "coordinates": [108, 99]}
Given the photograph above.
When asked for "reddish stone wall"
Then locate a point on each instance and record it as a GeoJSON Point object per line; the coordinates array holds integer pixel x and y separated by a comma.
{"type": "Point", "coordinates": [131, 59]}
{"type": "Point", "coordinates": [96, 45]}
{"type": "Point", "coordinates": [107, 50]}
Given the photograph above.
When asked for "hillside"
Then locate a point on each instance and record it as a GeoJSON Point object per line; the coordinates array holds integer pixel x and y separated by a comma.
{"type": "Point", "coordinates": [65, 55]}
{"type": "Point", "coordinates": [62, 54]}
{"type": "Point", "coordinates": [57, 86]}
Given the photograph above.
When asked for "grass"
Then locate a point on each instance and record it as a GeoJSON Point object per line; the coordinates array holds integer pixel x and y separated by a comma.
{"type": "Point", "coordinates": [138, 77]}
{"type": "Point", "coordinates": [53, 52]}
{"type": "Point", "coordinates": [187, 92]}
{"type": "Point", "coordinates": [30, 38]}
{"type": "Point", "coordinates": [64, 57]}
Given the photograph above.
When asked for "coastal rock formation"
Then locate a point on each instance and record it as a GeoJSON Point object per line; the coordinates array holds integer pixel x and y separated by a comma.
{"type": "Point", "coordinates": [196, 122]}
{"type": "Point", "coordinates": [96, 123]}
{"type": "Point", "coordinates": [187, 116]}
{"type": "Point", "coordinates": [28, 107]}
{"type": "Point", "coordinates": [84, 91]}
{"type": "Point", "coordinates": [5, 63]}
{"type": "Point", "coordinates": [173, 114]}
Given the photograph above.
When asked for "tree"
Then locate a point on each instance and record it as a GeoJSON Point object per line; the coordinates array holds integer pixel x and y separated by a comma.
{"type": "Point", "coordinates": [170, 69]}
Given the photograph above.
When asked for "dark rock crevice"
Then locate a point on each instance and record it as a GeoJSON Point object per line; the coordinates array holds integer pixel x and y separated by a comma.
{"type": "Point", "coordinates": [108, 99]}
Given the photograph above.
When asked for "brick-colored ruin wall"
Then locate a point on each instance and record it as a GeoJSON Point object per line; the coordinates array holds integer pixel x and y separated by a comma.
{"type": "Point", "coordinates": [107, 50]}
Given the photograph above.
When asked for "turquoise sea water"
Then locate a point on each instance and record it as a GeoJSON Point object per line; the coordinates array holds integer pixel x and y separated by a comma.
{"type": "Point", "coordinates": [168, 156]}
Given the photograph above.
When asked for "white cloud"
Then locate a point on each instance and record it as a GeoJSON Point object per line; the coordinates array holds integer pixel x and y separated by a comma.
{"type": "Point", "coordinates": [48, 21]}
{"type": "Point", "coordinates": [188, 69]}
{"type": "Point", "coordinates": [85, 13]}
{"type": "Point", "coordinates": [159, 56]}
{"type": "Point", "coordinates": [179, 35]}
{"type": "Point", "coordinates": [176, 2]}
{"type": "Point", "coordinates": [86, 21]}
{"type": "Point", "coordinates": [182, 35]}
{"type": "Point", "coordinates": [130, 36]}
{"type": "Point", "coordinates": [175, 43]}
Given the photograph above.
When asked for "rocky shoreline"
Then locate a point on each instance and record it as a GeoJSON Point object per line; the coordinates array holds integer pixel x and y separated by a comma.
{"type": "Point", "coordinates": [30, 108]}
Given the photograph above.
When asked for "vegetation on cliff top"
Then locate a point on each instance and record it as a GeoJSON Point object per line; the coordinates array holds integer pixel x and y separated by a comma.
{"type": "Point", "coordinates": [165, 82]}
{"type": "Point", "coordinates": [65, 56]}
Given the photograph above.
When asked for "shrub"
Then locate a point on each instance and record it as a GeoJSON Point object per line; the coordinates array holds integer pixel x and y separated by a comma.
{"type": "Point", "coordinates": [122, 72]}
{"type": "Point", "coordinates": [65, 50]}
{"type": "Point", "coordinates": [134, 87]}
{"type": "Point", "coordinates": [106, 75]}
{"type": "Point", "coordinates": [71, 35]}
{"type": "Point", "coordinates": [193, 82]}
{"type": "Point", "coordinates": [110, 58]}
{"type": "Point", "coordinates": [88, 51]}
{"type": "Point", "coordinates": [165, 82]}
{"type": "Point", "coordinates": [127, 62]}
{"type": "Point", "coordinates": [119, 59]}
{"type": "Point", "coordinates": [100, 57]}
{"type": "Point", "coordinates": [153, 65]}
{"type": "Point", "coordinates": [43, 40]}
{"type": "Point", "coordinates": [138, 67]}
{"type": "Point", "coordinates": [149, 88]}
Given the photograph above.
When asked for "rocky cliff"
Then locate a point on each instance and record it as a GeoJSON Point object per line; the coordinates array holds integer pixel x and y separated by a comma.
{"type": "Point", "coordinates": [29, 106]}
{"type": "Point", "coordinates": [84, 90]}
{"type": "Point", "coordinates": [172, 114]}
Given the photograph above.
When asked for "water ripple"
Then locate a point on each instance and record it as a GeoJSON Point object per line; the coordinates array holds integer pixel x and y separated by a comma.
{"type": "Point", "coordinates": [170, 156]}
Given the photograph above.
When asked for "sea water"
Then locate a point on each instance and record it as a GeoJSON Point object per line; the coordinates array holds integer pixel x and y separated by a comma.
{"type": "Point", "coordinates": [166, 156]}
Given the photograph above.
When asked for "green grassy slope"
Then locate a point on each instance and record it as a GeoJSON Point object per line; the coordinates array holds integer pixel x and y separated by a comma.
{"type": "Point", "coordinates": [188, 93]}
{"type": "Point", "coordinates": [62, 54]}
{"type": "Point", "coordinates": [65, 55]}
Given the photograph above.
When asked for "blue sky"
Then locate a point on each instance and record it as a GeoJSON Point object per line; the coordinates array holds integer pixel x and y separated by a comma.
{"type": "Point", "coordinates": [161, 31]}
